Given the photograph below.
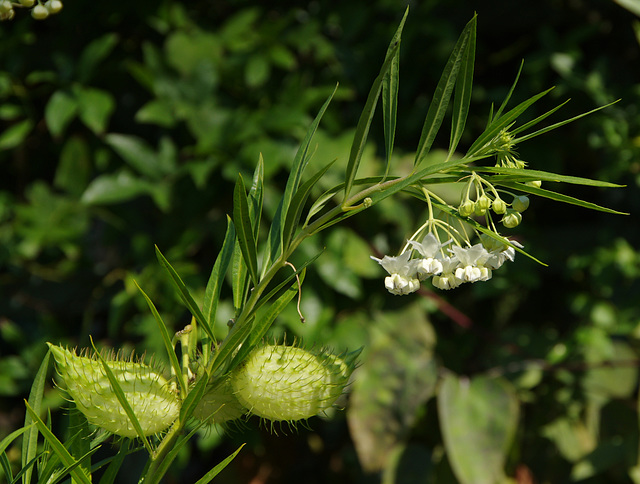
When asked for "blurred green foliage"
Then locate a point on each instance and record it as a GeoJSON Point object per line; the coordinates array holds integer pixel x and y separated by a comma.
{"type": "Point", "coordinates": [125, 124]}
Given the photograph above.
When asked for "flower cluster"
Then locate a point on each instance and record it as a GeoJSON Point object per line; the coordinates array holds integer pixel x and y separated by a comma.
{"type": "Point", "coordinates": [39, 10]}
{"type": "Point", "coordinates": [448, 267]}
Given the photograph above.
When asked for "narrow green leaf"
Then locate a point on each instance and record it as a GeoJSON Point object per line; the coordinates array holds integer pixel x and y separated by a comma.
{"type": "Point", "coordinates": [30, 440]}
{"type": "Point", "coordinates": [193, 398]}
{"type": "Point", "coordinates": [256, 196]}
{"type": "Point", "coordinates": [216, 279]}
{"type": "Point", "coordinates": [559, 197]}
{"type": "Point", "coordinates": [167, 340]}
{"type": "Point", "coordinates": [208, 477]}
{"type": "Point", "coordinates": [516, 174]}
{"type": "Point", "coordinates": [462, 96]}
{"type": "Point", "coordinates": [244, 230]}
{"type": "Point", "coordinates": [15, 134]}
{"type": "Point", "coordinates": [6, 442]}
{"type": "Point", "coordinates": [478, 420]}
{"type": "Point", "coordinates": [274, 240]}
{"type": "Point", "coordinates": [111, 473]}
{"type": "Point", "coordinates": [297, 204]}
{"type": "Point", "coordinates": [364, 123]}
{"type": "Point", "coordinates": [184, 293]}
{"type": "Point", "coordinates": [262, 325]}
{"type": "Point", "coordinates": [117, 390]}
{"type": "Point", "coordinates": [508, 96]}
{"type": "Point", "coordinates": [239, 279]}
{"type": "Point", "coordinates": [80, 446]}
{"type": "Point", "coordinates": [502, 122]}
{"type": "Point", "coordinates": [442, 94]}
{"type": "Point", "coordinates": [540, 118]}
{"type": "Point", "coordinates": [6, 467]}
{"type": "Point", "coordinates": [60, 450]}
{"type": "Point", "coordinates": [557, 125]}
{"type": "Point", "coordinates": [390, 95]}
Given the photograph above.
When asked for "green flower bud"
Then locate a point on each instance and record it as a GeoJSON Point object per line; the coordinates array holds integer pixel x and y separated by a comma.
{"type": "Point", "coordinates": [467, 208]}
{"type": "Point", "coordinates": [39, 12]}
{"type": "Point", "coordinates": [5, 6]}
{"type": "Point", "coordinates": [484, 202]}
{"type": "Point", "coordinates": [535, 183]}
{"type": "Point", "coordinates": [289, 383]}
{"type": "Point", "coordinates": [27, 3]}
{"type": "Point", "coordinates": [520, 203]}
{"type": "Point", "coordinates": [53, 6]}
{"type": "Point", "coordinates": [149, 394]}
{"type": "Point", "coordinates": [511, 219]}
{"type": "Point", "coordinates": [219, 404]}
{"type": "Point", "coordinates": [499, 206]}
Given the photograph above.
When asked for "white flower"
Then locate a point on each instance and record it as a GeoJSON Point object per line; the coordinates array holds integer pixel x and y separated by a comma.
{"type": "Point", "coordinates": [447, 279]}
{"type": "Point", "coordinates": [472, 263]}
{"type": "Point", "coordinates": [429, 249]}
{"type": "Point", "coordinates": [402, 274]}
{"type": "Point", "coordinates": [499, 252]}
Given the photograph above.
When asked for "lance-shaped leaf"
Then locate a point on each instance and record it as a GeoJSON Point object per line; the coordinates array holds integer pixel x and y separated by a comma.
{"type": "Point", "coordinates": [519, 174]}
{"type": "Point", "coordinates": [214, 285]}
{"type": "Point", "coordinates": [240, 275]}
{"type": "Point", "coordinates": [364, 123]}
{"type": "Point", "coordinates": [244, 229]}
{"type": "Point", "coordinates": [297, 204]}
{"type": "Point", "coordinates": [275, 238]}
{"type": "Point", "coordinates": [184, 293]}
{"type": "Point", "coordinates": [502, 122]}
{"type": "Point", "coordinates": [208, 477]}
{"type": "Point", "coordinates": [478, 420]}
{"type": "Point", "coordinates": [462, 96]}
{"type": "Point", "coordinates": [442, 94]}
{"type": "Point", "coordinates": [390, 94]}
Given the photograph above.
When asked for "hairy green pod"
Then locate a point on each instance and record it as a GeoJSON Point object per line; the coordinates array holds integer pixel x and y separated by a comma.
{"type": "Point", "coordinates": [289, 383]}
{"type": "Point", "coordinates": [149, 394]}
{"type": "Point", "coordinates": [219, 404]}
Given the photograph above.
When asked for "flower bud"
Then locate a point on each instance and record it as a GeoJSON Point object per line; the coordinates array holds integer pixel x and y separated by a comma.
{"type": "Point", "coordinates": [27, 3]}
{"type": "Point", "coordinates": [53, 6]}
{"type": "Point", "coordinates": [467, 208]}
{"type": "Point", "coordinates": [5, 6]}
{"type": "Point", "coordinates": [289, 383]}
{"type": "Point", "coordinates": [39, 12]}
{"type": "Point", "coordinates": [149, 394]}
{"type": "Point", "coordinates": [499, 206]}
{"type": "Point", "coordinates": [520, 203]}
{"type": "Point", "coordinates": [535, 183]}
{"type": "Point", "coordinates": [511, 219]}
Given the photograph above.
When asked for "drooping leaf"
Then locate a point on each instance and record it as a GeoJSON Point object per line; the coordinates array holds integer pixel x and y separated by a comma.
{"type": "Point", "coordinates": [397, 377]}
{"type": "Point", "coordinates": [478, 419]}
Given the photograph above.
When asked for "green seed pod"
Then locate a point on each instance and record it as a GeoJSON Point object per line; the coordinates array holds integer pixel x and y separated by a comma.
{"type": "Point", "coordinates": [149, 394]}
{"type": "Point", "coordinates": [289, 383]}
{"type": "Point", "coordinates": [219, 404]}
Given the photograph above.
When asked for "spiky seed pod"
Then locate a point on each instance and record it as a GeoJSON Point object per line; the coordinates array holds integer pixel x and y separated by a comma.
{"type": "Point", "coordinates": [219, 404]}
{"type": "Point", "coordinates": [149, 394]}
{"type": "Point", "coordinates": [289, 383]}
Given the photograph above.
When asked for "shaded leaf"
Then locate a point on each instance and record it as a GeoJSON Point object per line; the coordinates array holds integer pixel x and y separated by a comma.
{"type": "Point", "coordinates": [95, 107]}
{"type": "Point", "coordinates": [60, 111]}
{"type": "Point", "coordinates": [478, 420]}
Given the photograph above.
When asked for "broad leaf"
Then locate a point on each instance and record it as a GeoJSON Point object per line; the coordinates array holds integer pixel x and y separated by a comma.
{"type": "Point", "coordinates": [478, 420]}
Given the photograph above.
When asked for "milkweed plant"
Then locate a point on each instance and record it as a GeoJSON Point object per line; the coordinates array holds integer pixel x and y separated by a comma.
{"type": "Point", "coordinates": [210, 381]}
